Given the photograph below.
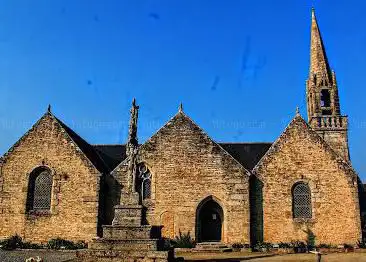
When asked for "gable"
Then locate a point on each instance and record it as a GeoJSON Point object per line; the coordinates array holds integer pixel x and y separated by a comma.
{"type": "Point", "coordinates": [191, 136]}
{"type": "Point", "coordinates": [48, 123]}
{"type": "Point", "coordinates": [299, 131]}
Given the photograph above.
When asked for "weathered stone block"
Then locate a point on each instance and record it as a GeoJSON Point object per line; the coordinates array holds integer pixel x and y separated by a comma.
{"type": "Point", "coordinates": [127, 232]}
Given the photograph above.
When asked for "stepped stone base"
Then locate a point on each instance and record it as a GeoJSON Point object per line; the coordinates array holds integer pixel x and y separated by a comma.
{"type": "Point", "coordinates": [126, 239]}
{"type": "Point", "coordinates": [122, 256]}
{"type": "Point", "coordinates": [128, 232]}
{"type": "Point", "coordinates": [212, 247]}
{"type": "Point", "coordinates": [124, 244]}
{"type": "Point", "coordinates": [127, 215]}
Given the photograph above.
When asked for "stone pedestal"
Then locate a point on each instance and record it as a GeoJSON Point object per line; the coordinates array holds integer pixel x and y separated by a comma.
{"type": "Point", "coordinates": [127, 215]}
{"type": "Point", "coordinates": [126, 239]}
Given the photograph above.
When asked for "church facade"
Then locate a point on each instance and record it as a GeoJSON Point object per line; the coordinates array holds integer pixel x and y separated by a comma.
{"type": "Point", "coordinates": [55, 184]}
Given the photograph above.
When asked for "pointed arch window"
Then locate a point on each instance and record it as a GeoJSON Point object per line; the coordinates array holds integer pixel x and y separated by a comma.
{"type": "Point", "coordinates": [143, 185]}
{"type": "Point", "coordinates": [39, 190]}
{"type": "Point", "coordinates": [301, 201]}
{"type": "Point", "coordinates": [146, 186]}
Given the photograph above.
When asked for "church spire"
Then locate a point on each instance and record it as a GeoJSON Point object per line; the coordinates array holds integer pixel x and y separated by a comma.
{"type": "Point", "coordinates": [322, 90]}
{"type": "Point", "coordinates": [319, 65]}
{"type": "Point", "coordinates": [323, 106]}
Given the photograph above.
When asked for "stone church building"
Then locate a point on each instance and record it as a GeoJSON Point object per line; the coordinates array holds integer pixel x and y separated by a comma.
{"type": "Point", "coordinates": [53, 183]}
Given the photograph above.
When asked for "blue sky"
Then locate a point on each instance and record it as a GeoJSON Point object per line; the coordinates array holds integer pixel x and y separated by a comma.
{"type": "Point", "coordinates": [238, 66]}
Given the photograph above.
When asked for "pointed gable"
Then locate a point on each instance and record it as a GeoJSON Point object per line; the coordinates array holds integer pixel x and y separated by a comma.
{"type": "Point", "coordinates": [178, 126]}
{"type": "Point", "coordinates": [88, 153]}
{"type": "Point", "coordinates": [296, 130]}
{"type": "Point", "coordinates": [175, 127]}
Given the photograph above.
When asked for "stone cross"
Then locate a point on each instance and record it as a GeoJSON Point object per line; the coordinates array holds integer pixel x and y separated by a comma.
{"type": "Point", "coordinates": [132, 148]}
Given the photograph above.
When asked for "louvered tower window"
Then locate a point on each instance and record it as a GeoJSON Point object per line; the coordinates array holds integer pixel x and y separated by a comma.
{"type": "Point", "coordinates": [301, 200]}
{"type": "Point", "coordinates": [39, 190]}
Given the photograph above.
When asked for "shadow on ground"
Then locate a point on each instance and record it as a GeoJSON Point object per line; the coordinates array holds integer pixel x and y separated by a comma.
{"type": "Point", "coordinates": [46, 255]}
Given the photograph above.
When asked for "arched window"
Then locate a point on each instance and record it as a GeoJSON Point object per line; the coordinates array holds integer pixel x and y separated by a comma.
{"type": "Point", "coordinates": [301, 201]}
{"type": "Point", "coordinates": [39, 190]}
{"type": "Point", "coordinates": [143, 183]}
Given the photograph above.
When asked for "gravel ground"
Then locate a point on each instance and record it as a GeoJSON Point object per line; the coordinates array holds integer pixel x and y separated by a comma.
{"type": "Point", "coordinates": [267, 257]}
{"type": "Point", "coordinates": [68, 256]}
{"type": "Point", "coordinates": [341, 257]}
{"type": "Point", "coordinates": [46, 255]}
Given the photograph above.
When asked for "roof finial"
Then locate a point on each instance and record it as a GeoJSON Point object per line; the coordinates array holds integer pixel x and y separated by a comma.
{"type": "Point", "coordinates": [297, 111]}
{"type": "Point", "coordinates": [180, 110]}
{"type": "Point", "coordinates": [49, 108]}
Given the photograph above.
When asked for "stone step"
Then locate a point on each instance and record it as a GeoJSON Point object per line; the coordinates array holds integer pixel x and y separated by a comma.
{"type": "Point", "coordinates": [127, 232]}
{"type": "Point", "coordinates": [211, 247]}
{"type": "Point", "coordinates": [221, 250]}
{"type": "Point", "coordinates": [124, 244]}
{"type": "Point", "coordinates": [211, 244]}
{"type": "Point", "coordinates": [214, 247]}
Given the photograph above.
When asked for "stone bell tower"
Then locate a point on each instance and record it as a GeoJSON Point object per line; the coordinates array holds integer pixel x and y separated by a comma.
{"type": "Point", "coordinates": [323, 106]}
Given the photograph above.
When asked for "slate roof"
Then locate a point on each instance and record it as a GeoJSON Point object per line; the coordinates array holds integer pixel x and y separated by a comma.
{"type": "Point", "coordinates": [247, 154]}
{"type": "Point", "coordinates": [112, 155]}
{"type": "Point", "coordinates": [87, 149]}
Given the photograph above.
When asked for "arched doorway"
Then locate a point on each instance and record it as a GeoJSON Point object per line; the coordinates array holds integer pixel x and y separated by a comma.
{"type": "Point", "coordinates": [210, 217]}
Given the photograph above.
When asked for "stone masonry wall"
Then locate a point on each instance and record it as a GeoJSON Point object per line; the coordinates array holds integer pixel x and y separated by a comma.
{"type": "Point", "coordinates": [338, 140]}
{"type": "Point", "coordinates": [74, 204]}
{"type": "Point", "coordinates": [301, 155]}
{"type": "Point", "coordinates": [186, 168]}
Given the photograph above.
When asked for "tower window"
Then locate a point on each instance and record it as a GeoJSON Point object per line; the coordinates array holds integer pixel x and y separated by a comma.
{"type": "Point", "coordinates": [301, 201]}
{"type": "Point", "coordinates": [325, 98]}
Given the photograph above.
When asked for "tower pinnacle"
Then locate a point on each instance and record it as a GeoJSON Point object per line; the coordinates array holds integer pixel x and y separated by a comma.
{"type": "Point", "coordinates": [297, 111]}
